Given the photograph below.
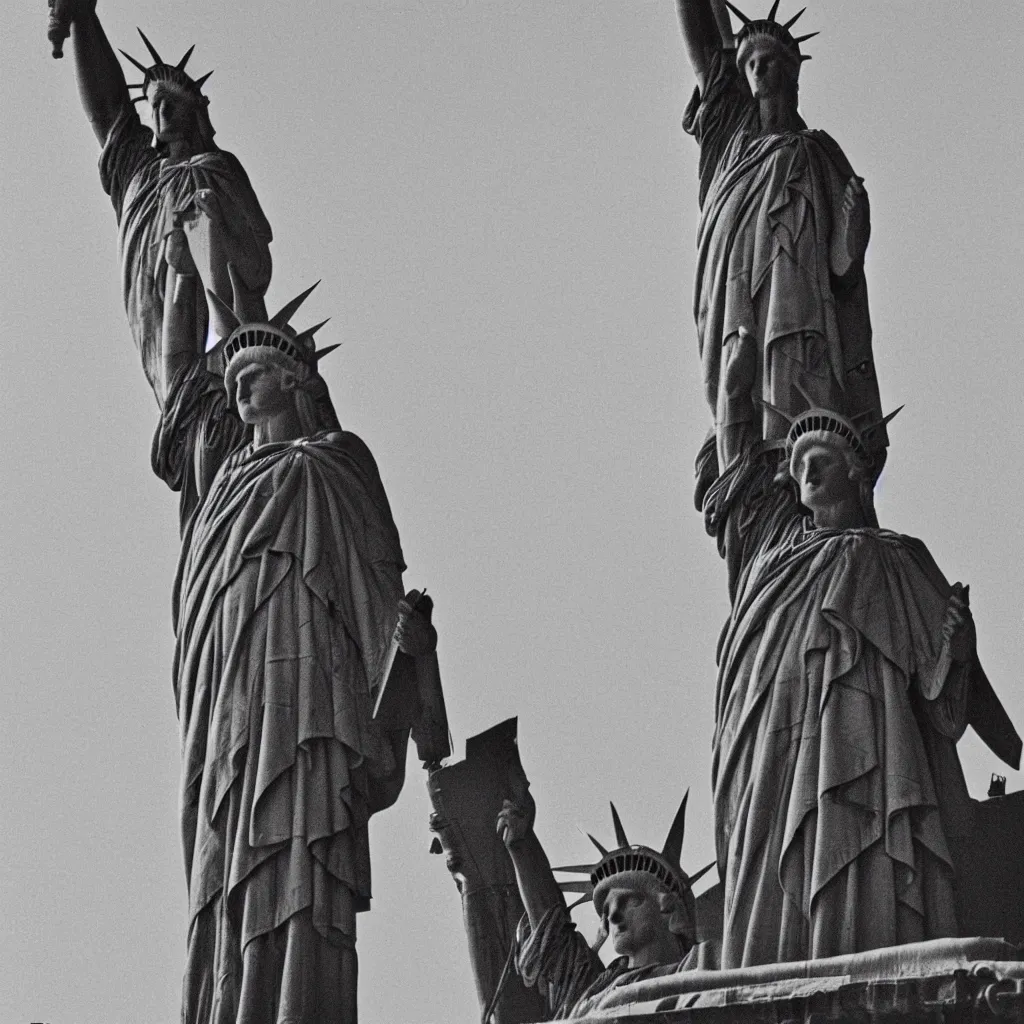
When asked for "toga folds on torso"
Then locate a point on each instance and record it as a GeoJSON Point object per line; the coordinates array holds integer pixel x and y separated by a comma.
{"type": "Point", "coordinates": [770, 206]}
{"type": "Point", "coordinates": [839, 798]}
{"type": "Point", "coordinates": [148, 194]}
{"type": "Point", "coordinates": [151, 196]}
{"type": "Point", "coordinates": [286, 599]}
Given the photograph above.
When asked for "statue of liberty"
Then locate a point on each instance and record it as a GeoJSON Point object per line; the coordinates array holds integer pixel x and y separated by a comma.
{"type": "Point", "coordinates": [188, 220]}
{"type": "Point", "coordinates": [784, 227]}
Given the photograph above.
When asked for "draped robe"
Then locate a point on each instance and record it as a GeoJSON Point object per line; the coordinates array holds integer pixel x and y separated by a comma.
{"type": "Point", "coordinates": [150, 195]}
{"type": "Point", "coordinates": [834, 767]}
{"type": "Point", "coordinates": [148, 192]}
{"type": "Point", "coordinates": [285, 601]}
{"type": "Point", "coordinates": [770, 210]}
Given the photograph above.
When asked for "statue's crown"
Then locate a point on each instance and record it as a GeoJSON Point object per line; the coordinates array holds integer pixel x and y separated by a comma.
{"type": "Point", "coordinates": [172, 75]}
{"type": "Point", "coordinates": [864, 434]}
{"type": "Point", "coordinates": [628, 858]}
{"type": "Point", "coordinates": [829, 422]}
{"type": "Point", "coordinates": [274, 333]}
{"type": "Point", "coordinates": [769, 28]}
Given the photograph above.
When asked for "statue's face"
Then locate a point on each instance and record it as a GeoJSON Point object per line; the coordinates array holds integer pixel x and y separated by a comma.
{"type": "Point", "coordinates": [260, 393]}
{"type": "Point", "coordinates": [173, 115]}
{"type": "Point", "coordinates": [823, 476]}
{"type": "Point", "coordinates": [634, 920]}
{"type": "Point", "coordinates": [766, 69]}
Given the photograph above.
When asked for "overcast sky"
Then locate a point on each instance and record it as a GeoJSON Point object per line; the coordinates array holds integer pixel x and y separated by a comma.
{"type": "Point", "coordinates": [502, 207]}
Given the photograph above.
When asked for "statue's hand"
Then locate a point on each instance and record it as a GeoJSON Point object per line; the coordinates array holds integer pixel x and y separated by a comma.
{"type": "Point", "coordinates": [208, 203]}
{"type": "Point", "coordinates": [736, 426]}
{"type": "Point", "coordinates": [515, 821]}
{"type": "Point", "coordinates": [740, 369]}
{"type": "Point", "coordinates": [415, 635]}
{"type": "Point", "coordinates": [854, 226]}
{"type": "Point", "coordinates": [178, 255]}
{"type": "Point", "coordinates": [958, 632]}
{"type": "Point", "coordinates": [66, 11]}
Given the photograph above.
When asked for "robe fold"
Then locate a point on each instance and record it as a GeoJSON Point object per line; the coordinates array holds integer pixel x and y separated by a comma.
{"type": "Point", "coordinates": [198, 429]}
{"type": "Point", "coordinates": [148, 193]}
{"type": "Point", "coordinates": [770, 207]}
{"type": "Point", "coordinates": [285, 601]}
{"type": "Point", "coordinates": [835, 773]}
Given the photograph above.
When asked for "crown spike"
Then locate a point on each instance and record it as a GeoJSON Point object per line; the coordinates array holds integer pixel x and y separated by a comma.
{"type": "Point", "coordinates": [739, 14]}
{"type": "Point", "coordinates": [811, 404]}
{"type": "Point", "coordinates": [238, 289]}
{"type": "Point", "coordinates": [620, 832]}
{"type": "Point", "coordinates": [141, 67]}
{"type": "Point", "coordinates": [583, 899]}
{"type": "Point", "coordinates": [584, 887]}
{"type": "Point", "coordinates": [673, 849]}
{"type": "Point", "coordinates": [230, 317]}
{"type": "Point", "coordinates": [157, 59]}
{"type": "Point", "coordinates": [600, 849]}
{"type": "Point", "coordinates": [317, 356]}
{"type": "Point", "coordinates": [796, 17]}
{"type": "Point", "coordinates": [576, 869]}
{"type": "Point", "coordinates": [774, 10]}
{"type": "Point", "coordinates": [184, 60]}
{"type": "Point", "coordinates": [199, 81]}
{"type": "Point", "coordinates": [803, 39]}
{"type": "Point", "coordinates": [136, 85]}
{"type": "Point", "coordinates": [700, 874]}
{"type": "Point", "coordinates": [805, 56]}
{"type": "Point", "coordinates": [774, 408]}
{"type": "Point", "coordinates": [289, 309]}
{"type": "Point", "coordinates": [307, 334]}
{"type": "Point", "coordinates": [138, 99]}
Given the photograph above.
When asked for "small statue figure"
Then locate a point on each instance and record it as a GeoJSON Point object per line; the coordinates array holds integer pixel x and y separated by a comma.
{"type": "Point", "coordinates": [288, 594]}
{"type": "Point", "coordinates": [784, 228]}
{"type": "Point", "coordinates": [847, 672]}
{"type": "Point", "coordinates": [642, 896]}
{"type": "Point", "coordinates": [467, 797]}
{"type": "Point", "coordinates": [188, 221]}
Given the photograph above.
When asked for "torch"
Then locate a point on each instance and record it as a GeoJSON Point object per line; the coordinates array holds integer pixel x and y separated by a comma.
{"type": "Point", "coordinates": [60, 26]}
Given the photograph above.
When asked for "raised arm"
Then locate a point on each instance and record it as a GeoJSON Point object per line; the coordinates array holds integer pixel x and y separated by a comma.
{"type": "Point", "coordinates": [723, 24]}
{"type": "Point", "coordinates": [537, 886]}
{"type": "Point", "coordinates": [101, 82]}
{"type": "Point", "coordinates": [179, 334]}
{"type": "Point", "coordinates": [736, 417]}
{"type": "Point", "coordinates": [706, 29]}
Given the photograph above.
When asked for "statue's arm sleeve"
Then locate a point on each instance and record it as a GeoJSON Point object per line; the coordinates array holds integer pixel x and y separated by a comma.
{"type": "Point", "coordinates": [129, 147]}
{"type": "Point", "coordinates": [555, 955]}
{"type": "Point", "coordinates": [196, 432]}
{"type": "Point", "coordinates": [988, 718]}
{"type": "Point", "coordinates": [715, 113]}
{"type": "Point", "coordinates": [748, 509]}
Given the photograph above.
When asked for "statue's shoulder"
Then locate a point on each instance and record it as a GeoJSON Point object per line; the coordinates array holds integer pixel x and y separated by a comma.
{"type": "Point", "coordinates": [346, 440]}
{"type": "Point", "coordinates": [832, 150]}
{"type": "Point", "coordinates": [225, 159]}
{"type": "Point", "coordinates": [873, 539]}
{"type": "Point", "coordinates": [896, 552]}
{"type": "Point", "coordinates": [347, 445]}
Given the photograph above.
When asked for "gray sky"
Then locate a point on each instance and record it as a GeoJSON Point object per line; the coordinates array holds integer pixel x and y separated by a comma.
{"type": "Point", "coordinates": [502, 207]}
